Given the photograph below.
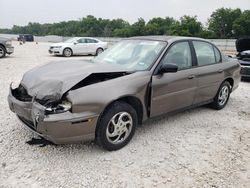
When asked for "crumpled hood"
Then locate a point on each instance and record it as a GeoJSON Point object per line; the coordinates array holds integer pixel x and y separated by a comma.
{"type": "Point", "coordinates": [54, 79]}
{"type": "Point", "coordinates": [242, 44]}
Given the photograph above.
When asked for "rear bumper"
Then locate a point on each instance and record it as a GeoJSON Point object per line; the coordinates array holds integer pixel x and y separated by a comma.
{"type": "Point", "coordinates": [60, 128]}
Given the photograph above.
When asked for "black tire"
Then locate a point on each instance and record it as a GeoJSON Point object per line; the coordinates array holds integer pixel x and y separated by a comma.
{"type": "Point", "coordinates": [2, 51]}
{"type": "Point", "coordinates": [67, 52]}
{"type": "Point", "coordinates": [217, 103]}
{"type": "Point", "coordinates": [105, 122]}
{"type": "Point", "coordinates": [99, 51]}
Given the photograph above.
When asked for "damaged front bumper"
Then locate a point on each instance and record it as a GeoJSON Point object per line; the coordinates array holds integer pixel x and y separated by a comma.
{"type": "Point", "coordinates": [56, 51]}
{"type": "Point", "coordinates": [58, 128]}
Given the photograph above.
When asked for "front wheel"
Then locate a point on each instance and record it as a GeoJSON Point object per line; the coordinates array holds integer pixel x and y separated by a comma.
{"type": "Point", "coordinates": [67, 52]}
{"type": "Point", "coordinates": [116, 126]}
{"type": "Point", "coordinates": [222, 96]}
{"type": "Point", "coordinates": [2, 52]}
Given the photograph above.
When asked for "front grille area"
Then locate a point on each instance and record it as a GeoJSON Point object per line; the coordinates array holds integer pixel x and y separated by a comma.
{"type": "Point", "coordinates": [245, 64]}
{"type": "Point", "coordinates": [245, 71]}
{"type": "Point", "coordinates": [21, 94]}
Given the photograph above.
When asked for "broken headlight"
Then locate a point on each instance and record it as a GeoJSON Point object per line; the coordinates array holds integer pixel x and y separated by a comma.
{"type": "Point", "coordinates": [59, 108]}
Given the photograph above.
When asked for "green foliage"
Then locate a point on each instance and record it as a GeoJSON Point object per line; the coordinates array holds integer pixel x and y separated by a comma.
{"type": "Point", "coordinates": [223, 23]}
{"type": "Point", "coordinates": [241, 26]}
{"type": "Point", "coordinates": [160, 26]}
{"type": "Point", "coordinates": [188, 26]}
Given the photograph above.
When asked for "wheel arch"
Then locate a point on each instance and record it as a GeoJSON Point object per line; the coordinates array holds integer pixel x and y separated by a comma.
{"type": "Point", "coordinates": [4, 50]}
{"type": "Point", "coordinates": [67, 47]}
{"type": "Point", "coordinates": [134, 101]}
{"type": "Point", "coordinates": [99, 47]}
{"type": "Point", "coordinates": [230, 80]}
{"type": "Point", "coordinates": [3, 46]}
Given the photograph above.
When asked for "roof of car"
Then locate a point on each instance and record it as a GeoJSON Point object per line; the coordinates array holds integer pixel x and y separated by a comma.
{"type": "Point", "coordinates": [165, 38]}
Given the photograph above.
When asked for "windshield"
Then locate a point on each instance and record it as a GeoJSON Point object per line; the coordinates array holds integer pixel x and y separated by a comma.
{"type": "Point", "coordinates": [70, 40]}
{"type": "Point", "coordinates": [132, 55]}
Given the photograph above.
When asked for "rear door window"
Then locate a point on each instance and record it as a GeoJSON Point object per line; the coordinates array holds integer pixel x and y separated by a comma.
{"type": "Point", "coordinates": [91, 41]}
{"type": "Point", "coordinates": [217, 55]}
{"type": "Point", "coordinates": [204, 52]}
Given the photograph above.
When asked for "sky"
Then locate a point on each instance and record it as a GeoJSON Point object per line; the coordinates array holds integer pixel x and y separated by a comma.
{"type": "Point", "coordinates": [21, 12]}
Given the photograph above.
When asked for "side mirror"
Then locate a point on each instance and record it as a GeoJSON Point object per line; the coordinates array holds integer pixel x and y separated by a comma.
{"type": "Point", "coordinates": [75, 43]}
{"type": "Point", "coordinates": [165, 68]}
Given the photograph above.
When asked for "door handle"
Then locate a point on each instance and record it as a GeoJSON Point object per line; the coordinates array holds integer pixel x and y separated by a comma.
{"type": "Point", "coordinates": [191, 76]}
{"type": "Point", "coordinates": [220, 71]}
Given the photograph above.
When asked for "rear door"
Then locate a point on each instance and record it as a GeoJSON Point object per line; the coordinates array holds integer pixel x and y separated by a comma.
{"type": "Point", "coordinates": [210, 71]}
{"type": "Point", "coordinates": [173, 91]}
{"type": "Point", "coordinates": [92, 45]}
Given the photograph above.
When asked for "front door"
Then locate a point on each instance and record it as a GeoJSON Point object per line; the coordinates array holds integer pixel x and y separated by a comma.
{"type": "Point", "coordinates": [92, 46]}
{"type": "Point", "coordinates": [173, 91]}
{"type": "Point", "coordinates": [81, 47]}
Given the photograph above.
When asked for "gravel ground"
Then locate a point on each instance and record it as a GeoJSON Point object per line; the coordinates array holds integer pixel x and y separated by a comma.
{"type": "Point", "coordinates": [196, 148]}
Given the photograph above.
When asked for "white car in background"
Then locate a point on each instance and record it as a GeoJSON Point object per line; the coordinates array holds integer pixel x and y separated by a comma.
{"type": "Point", "coordinates": [78, 46]}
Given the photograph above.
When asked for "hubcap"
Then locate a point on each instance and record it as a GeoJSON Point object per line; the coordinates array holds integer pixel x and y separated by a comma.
{"type": "Point", "coordinates": [119, 127]}
{"type": "Point", "coordinates": [67, 52]}
{"type": "Point", "coordinates": [223, 95]}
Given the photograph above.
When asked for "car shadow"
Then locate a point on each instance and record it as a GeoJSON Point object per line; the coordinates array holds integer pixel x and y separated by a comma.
{"type": "Point", "coordinates": [9, 57]}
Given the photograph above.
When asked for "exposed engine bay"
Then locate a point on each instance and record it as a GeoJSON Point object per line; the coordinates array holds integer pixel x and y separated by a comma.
{"type": "Point", "coordinates": [98, 77]}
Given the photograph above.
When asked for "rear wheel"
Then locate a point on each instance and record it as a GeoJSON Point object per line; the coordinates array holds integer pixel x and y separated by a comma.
{"type": "Point", "coordinates": [67, 52]}
{"type": "Point", "coordinates": [116, 126]}
{"type": "Point", "coordinates": [2, 52]}
{"type": "Point", "coordinates": [99, 51]}
{"type": "Point", "coordinates": [222, 96]}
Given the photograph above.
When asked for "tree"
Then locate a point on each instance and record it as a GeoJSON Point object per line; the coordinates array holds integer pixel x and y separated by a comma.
{"type": "Point", "coordinates": [160, 26]}
{"type": "Point", "coordinates": [241, 26]}
{"type": "Point", "coordinates": [187, 26]}
{"type": "Point", "coordinates": [138, 28]}
{"type": "Point", "coordinates": [221, 22]}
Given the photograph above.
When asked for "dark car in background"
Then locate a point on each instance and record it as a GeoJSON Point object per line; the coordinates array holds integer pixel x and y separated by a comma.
{"type": "Point", "coordinates": [243, 49]}
{"type": "Point", "coordinates": [5, 47]}
{"type": "Point", "coordinates": [26, 38]}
